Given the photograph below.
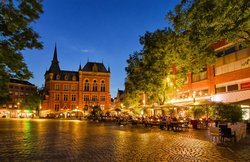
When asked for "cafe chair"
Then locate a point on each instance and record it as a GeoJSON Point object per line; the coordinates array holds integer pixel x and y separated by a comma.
{"type": "Point", "coordinates": [215, 134]}
{"type": "Point", "coordinates": [227, 133]}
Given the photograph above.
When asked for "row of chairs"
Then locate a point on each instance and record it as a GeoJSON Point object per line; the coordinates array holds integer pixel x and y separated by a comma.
{"type": "Point", "coordinates": [218, 134]}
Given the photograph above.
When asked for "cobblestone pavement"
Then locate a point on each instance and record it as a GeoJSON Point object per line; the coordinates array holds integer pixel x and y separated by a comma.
{"type": "Point", "coordinates": [61, 140]}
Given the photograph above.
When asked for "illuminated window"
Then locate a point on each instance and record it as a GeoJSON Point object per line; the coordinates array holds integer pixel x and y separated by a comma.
{"type": "Point", "coordinates": [94, 98]}
{"type": "Point", "coordinates": [57, 87]}
{"type": "Point", "coordinates": [220, 89]}
{"type": "Point", "coordinates": [102, 86]}
{"type": "Point", "coordinates": [232, 87]}
{"type": "Point", "coordinates": [102, 98]}
{"type": "Point", "coordinates": [73, 98]}
{"type": "Point", "coordinates": [73, 88]}
{"type": "Point", "coordinates": [86, 98]}
{"type": "Point", "coordinates": [95, 86]}
{"type": "Point", "coordinates": [56, 107]}
{"type": "Point", "coordinates": [66, 87]}
{"type": "Point", "coordinates": [57, 97]}
{"type": "Point", "coordinates": [65, 97]}
{"type": "Point", "coordinates": [86, 85]}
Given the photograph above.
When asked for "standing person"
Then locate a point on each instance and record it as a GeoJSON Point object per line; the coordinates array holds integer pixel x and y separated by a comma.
{"type": "Point", "coordinates": [169, 120]}
{"type": "Point", "coordinates": [163, 122]}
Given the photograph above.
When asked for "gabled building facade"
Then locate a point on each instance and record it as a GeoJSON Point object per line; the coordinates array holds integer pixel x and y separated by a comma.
{"type": "Point", "coordinates": [67, 91]}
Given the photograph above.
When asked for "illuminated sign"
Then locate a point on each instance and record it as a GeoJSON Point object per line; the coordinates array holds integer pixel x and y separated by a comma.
{"type": "Point", "coordinates": [245, 85]}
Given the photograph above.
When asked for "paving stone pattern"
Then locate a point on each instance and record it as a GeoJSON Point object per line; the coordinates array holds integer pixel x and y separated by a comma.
{"type": "Point", "coordinates": [64, 140]}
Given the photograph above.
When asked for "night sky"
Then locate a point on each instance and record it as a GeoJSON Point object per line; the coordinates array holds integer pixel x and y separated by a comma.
{"type": "Point", "coordinates": [96, 30]}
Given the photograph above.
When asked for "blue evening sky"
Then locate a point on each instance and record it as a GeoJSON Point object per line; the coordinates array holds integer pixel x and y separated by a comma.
{"type": "Point", "coordinates": [96, 30]}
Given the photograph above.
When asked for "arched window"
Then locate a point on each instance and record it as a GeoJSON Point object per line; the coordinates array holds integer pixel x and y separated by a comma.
{"type": "Point", "coordinates": [95, 86]}
{"type": "Point", "coordinates": [86, 85]}
{"type": "Point", "coordinates": [74, 78]}
{"type": "Point", "coordinates": [102, 86]}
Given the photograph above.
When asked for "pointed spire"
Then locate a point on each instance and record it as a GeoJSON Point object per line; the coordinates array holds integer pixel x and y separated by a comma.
{"type": "Point", "coordinates": [55, 55]}
{"type": "Point", "coordinates": [80, 66]}
{"type": "Point", "coordinates": [108, 69]}
{"type": "Point", "coordinates": [54, 67]}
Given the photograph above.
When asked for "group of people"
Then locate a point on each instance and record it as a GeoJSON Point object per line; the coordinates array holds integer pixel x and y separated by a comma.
{"type": "Point", "coordinates": [164, 122]}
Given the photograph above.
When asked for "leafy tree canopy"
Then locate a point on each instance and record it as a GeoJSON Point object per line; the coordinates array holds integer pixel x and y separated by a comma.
{"type": "Point", "coordinates": [161, 67]}
{"type": "Point", "coordinates": [16, 35]}
{"type": "Point", "coordinates": [209, 21]}
{"type": "Point", "coordinates": [33, 102]}
{"type": "Point", "coordinates": [228, 112]}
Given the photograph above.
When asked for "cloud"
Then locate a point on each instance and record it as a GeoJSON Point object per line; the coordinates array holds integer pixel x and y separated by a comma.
{"type": "Point", "coordinates": [86, 51]}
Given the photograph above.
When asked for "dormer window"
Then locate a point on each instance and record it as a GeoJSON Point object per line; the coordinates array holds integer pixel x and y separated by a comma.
{"type": "Point", "coordinates": [66, 77]}
{"type": "Point", "coordinates": [57, 77]}
{"type": "Point", "coordinates": [74, 78]}
{"type": "Point", "coordinates": [95, 68]}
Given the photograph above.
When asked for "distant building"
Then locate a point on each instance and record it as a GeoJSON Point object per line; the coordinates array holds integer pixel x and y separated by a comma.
{"type": "Point", "coordinates": [19, 91]}
{"type": "Point", "coordinates": [75, 91]}
{"type": "Point", "coordinates": [119, 96]}
{"type": "Point", "coordinates": [118, 100]}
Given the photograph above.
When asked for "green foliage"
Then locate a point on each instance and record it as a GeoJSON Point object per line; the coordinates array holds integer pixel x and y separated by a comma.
{"type": "Point", "coordinates": [136, 111]}
{"type": "Point", "coordinates": [16, 35]}
{"type": "Point", "coordinates": [228, 112]}
{"type": "Point", "coordinates": [131, 98]}
{"type": "Point", "coordinates": [162, 66]}
{"type": "Point", "coordinates": [198, 112]}
{"type": "Point", "coordinates": [33, 102]}
{"type": "Point", "coordinates": [208, 21]}
{"type": "Point", "coordinates": [95, 113]}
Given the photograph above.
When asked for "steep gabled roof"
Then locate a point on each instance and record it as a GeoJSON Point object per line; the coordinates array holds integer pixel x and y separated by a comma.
{"type": "Point", "coordinates": [94, 66]}
{"type": "Point", "coordinates": [63, 73]}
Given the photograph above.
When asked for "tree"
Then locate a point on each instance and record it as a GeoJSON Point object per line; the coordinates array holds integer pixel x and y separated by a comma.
{"type": "Point", "coordinates": [16, 35]}
{"type": "Point", "coordinates": [162, 66]}
{"type": "Point", "coordinates": [33, 102]}
{"type": "Point", "coordinates": [209, 21]}
{"type": "Point", "coordinates": [228, 112]}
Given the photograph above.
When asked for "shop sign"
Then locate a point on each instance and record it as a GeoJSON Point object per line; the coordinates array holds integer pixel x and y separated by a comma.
{"type": "Point", "coordinates": [245, 85]}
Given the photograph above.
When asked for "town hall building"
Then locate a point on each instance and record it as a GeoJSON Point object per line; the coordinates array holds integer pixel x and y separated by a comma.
{"type": "Point", "coordinates": [68, 93]}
